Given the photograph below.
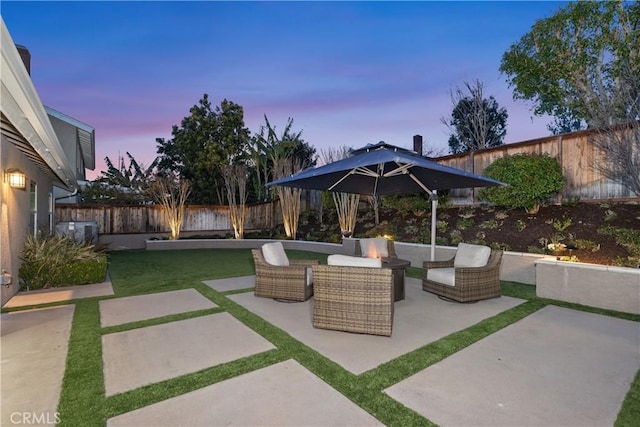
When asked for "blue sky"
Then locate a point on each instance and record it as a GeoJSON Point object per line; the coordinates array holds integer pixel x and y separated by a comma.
{"type": "Point", "coordinates": [348, 73]}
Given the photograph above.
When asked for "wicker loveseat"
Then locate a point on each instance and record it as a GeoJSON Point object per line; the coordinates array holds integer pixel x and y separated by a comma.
{"type": "Point", "coordinates": [464, 283]}
{"type": "Point", "coordinates": [288, 282]}
{"type": "Point", "coordinates": [353, 299]}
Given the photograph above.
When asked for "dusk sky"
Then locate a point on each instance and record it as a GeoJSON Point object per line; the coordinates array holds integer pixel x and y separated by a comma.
{"type": "Point", "coordinates": [348, 73]}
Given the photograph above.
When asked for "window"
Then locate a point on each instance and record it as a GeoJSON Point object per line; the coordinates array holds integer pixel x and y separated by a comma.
{"type": "Point", "coordinates": [33, 213]}
{"type": "Point", "coordinates": [51, 210]}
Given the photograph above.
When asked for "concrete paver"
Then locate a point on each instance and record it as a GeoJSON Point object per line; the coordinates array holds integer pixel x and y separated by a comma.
{"type": "Point", "coordinates": [419, 319]}
{"type": "Point", "coordinates": [284, 394]}
{"type": "Point", "coordinates": [119, 311]}
{"type": "Point", "coordinates": [231, 283]}
{"type": "Point", "coordinates": [43, 296]}
{"type": "Point", "coordinates": [34, 354]}
{"type": "Point", "coordinates": [556, 367]}
{"type": "Point", "coordinates": [155, 353]}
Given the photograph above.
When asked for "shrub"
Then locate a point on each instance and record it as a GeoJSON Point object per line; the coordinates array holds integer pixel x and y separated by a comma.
{"type": "Point", "coordinates": [490, 224]}
{"type": "Point", "coordinates": [59, 260]}
{"type": "Point", "coordinates": [408, 203]}
{"type": "Point", "coordinates": [627, 237]}
{"type": "Point", "coordinates": [464, 223]}
{"type": "Point", "coordinates": [416, 203]}
{"type": "Point", "coordinates": [500, 246]}
{"type": "Point", "coordinates": [532, 179]}
{"type": "Point", "coordinates": [502, 215]}
{"type": "Point", "coordinates": [561, 225]}
{"type": "Point", "coordinates": [610, 216]}
{"type": "Point", "coordinates": [456, 237]}
{"type": "Point", "coordinates": [586, 245]}
{"type": "Point", "coordinates": [520, 225]}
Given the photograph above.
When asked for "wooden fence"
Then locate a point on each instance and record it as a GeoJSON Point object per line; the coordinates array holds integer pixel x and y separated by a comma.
{"type": "Point", "coordinates": [575, 152]}
{"type": "Point", "coordinates": [151, 218]}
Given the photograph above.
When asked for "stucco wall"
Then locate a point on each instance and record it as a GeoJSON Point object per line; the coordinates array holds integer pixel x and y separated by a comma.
{"type": "Point", "coordinates": [516, 267]}
{"type": "Point", "coordinates": [613, 288]}
{"type": "Point", "coordinates": [15, 208]}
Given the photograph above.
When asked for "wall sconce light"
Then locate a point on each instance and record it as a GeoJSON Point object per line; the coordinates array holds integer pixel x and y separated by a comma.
{"type": "Point", "coordinates": [16, 179]}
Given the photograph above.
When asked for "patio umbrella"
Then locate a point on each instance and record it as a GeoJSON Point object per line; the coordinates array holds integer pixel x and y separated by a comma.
{"type": "Point", "coordinates": [382, 169]}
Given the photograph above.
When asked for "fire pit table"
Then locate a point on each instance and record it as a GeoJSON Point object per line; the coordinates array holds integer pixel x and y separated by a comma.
{"type": "Point", "coordinates": [398, 266]}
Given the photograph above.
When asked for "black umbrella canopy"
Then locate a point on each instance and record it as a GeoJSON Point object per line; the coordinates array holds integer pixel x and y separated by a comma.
{"type": "Point", "coordinates": [378, 169]}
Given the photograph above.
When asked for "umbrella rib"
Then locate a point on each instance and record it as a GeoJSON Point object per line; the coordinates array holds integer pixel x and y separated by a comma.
{"type": "Point", "coordinates": [424, 187]}
{"type": "Point", "coordinates": [356, 171]}
{"type": "Point", "coordinates": [401, 169]}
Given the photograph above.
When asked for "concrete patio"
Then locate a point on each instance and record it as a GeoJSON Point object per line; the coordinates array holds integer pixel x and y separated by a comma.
{"type": "Point", "coordinates": [554, 367]}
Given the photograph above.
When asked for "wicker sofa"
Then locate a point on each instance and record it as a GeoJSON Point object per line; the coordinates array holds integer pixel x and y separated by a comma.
{"type": "Point", "coordinates": [469, 283]}
{"type": "Point", "coordinates": [353, 299]}
{"type": "Point", "coordinates": [282, 282]}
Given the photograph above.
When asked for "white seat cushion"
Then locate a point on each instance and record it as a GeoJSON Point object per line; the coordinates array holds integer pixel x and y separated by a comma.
{"type": "Point", "coordinates": [353, 261]}
{"type": "Point", "coordinates": [445, 276]}
{"type": "Point", "coordinates": [309, 276]}
{"type": "Point", "coordinates": [374, 248]}
{"type": "Point", "coordinates": [471, 255]}
{"type": "Point", "coordinates": [274, 254]}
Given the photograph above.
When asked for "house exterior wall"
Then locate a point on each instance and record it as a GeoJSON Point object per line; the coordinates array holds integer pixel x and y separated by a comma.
{"type": "Point", "coordinates": [15, 210]}
{"type": "Point", "coordinates": [29, 143]}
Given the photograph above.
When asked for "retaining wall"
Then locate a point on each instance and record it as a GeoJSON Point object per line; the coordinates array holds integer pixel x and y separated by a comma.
{"type": "Point", "coordinates": [614, 288]}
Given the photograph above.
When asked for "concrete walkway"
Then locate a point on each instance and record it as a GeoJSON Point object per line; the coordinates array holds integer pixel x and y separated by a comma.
{"type": "Point", "coordinates": [555, 367]}
{"type": "Point", "coordinates": [34, 353]}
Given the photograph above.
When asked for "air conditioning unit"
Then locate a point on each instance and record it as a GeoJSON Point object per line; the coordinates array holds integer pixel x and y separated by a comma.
{"type": "Point", "coordinates": [80, 231]}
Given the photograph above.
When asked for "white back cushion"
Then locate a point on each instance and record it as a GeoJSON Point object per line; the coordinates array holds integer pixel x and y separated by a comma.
{"type": "Point", "coordinates": [353, 261]}
{"type": "Point", "coordinates": [274, 254]}
{"type": "Point", "coordinates": [471, 255]}
{"type": "Point", "coordinates": [374, 248]}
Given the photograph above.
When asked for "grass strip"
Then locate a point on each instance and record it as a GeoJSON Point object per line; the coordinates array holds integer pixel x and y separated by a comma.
{"type": "Point", "coordinates": [378, 404]}
{"type": "Point", "coordinates": [138, 272]}
{"type": "Point", "coordinates": [408, 364]}
{"type": "Point", "coordinates": [159, 320]}
{"type": "Point", "coordinates": [82, 396]}
{"type": "Point", "coordinates": [630, 412]}
{"type": "Point", "coordinates": [157, 392]}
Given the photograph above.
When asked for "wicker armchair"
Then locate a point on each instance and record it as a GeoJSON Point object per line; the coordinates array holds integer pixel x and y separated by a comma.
{"type": "Point", "coordinates": [282, 282]}
{"type": "Point", "coordinates": [390, 248]}
{"type": "Point", "coordinates": [471, 283]}
{"type": "Point", "coordinates": [353, 299]}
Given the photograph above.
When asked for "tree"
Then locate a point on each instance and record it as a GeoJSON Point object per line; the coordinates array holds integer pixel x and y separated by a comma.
{"type": "Point", "coordinates": [266, 148]}
{"type": "Point", "coordinates": [475, 122]}
{"type": "Point", "coordinates": [346, 203]}
{"type": "Point", "coordinates": [206, 141]}
{"type": "Point", "coordinates": [171, 193]}
{"type": "Point", "coordinates": [565, 123]}
{"type": "Point", "coordinates": [121, 184]}
{"type": "Point", "coordinates": [235, 179]}
{"type": "Point", "coordinates": [135, 176]}
{"type": "Point", "coordinates": [582, 62]}
{"type": "Point", "coordinates": [289, 197]}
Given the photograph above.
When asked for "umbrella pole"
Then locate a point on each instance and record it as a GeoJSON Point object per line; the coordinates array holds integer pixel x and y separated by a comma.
{"type": "Point", "coordinates": [434, 207]}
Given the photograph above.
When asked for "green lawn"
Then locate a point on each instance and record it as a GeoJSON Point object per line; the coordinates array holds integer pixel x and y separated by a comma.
{"type": "Point", "coordinates": [83, 401]}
